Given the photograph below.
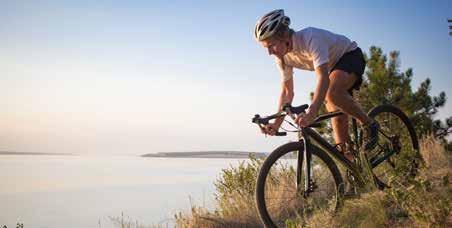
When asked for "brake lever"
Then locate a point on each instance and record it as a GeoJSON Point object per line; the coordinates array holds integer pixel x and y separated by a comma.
{"type": "Point", "coordinates": [289, 113]}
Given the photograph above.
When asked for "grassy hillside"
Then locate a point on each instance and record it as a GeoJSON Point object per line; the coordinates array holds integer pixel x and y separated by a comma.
{"type": "Point", "coordinates": [426, 202]}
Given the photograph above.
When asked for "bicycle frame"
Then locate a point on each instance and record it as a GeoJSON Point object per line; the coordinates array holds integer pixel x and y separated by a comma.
{"type": "Point", "coordinates": [305, 135]}
{"type": "Point", "coordinates": [308, 134]}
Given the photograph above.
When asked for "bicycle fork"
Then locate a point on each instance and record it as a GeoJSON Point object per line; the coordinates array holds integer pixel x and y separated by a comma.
{"type": "Point", "coordinates": [304, 165]}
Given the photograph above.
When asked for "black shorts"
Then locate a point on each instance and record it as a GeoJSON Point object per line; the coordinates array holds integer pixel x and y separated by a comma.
{"type": "Point", "coordinates": [352, 62]}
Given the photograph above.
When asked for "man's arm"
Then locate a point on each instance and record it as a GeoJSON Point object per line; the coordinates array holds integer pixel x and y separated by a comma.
{"type": "Point", "coordinates": [323, 82]}
{"type": "Point", "coordinates": [285, 97]}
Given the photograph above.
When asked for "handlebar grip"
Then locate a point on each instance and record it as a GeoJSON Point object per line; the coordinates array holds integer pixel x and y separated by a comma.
{"type": "Point", "coordinates": [281, 134]}
{"type": "Point", "coordinates": [256, 119]}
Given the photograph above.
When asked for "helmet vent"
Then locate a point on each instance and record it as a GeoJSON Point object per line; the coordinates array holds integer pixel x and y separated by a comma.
{"type": "Point", "coordinates": [272, 26]}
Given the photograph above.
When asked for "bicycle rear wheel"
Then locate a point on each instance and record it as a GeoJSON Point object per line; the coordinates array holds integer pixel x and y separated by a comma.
{"type": "Point", "coordinates": [279, 201]}
{"type": "Point", "coordinates": [396, 157]}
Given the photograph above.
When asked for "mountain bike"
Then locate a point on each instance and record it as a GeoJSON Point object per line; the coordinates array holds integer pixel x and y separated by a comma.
{"type": "Point", "coordinates": [301, 177]}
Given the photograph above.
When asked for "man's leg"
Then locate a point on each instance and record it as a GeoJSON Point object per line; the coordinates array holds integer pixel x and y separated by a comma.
{"type": "Point", "coordinates": [340, 129]}
{"type": "Point", "coordinates": [337, 95]}
{"type": "Point", "coordinates": [339, 124]}
{"type": "Point", "coordinates": [340, 82]}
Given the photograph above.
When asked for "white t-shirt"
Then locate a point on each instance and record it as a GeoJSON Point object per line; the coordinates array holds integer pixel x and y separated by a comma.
{"type": "Point", "coordinates": [313, 47]}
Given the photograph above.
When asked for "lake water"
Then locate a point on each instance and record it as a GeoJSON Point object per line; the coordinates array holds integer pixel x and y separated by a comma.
{"type": "Point", "coordinates": [85, 191]}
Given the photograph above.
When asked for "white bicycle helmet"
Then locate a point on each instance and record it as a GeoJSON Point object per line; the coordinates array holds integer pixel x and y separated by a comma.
{"type": "Point", "coordinates": [268, 24]}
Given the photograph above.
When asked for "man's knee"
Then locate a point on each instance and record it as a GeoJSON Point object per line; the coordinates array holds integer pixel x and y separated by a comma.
{"type": "Point", "coordinates": [330, 107]}
{"type": "Point", "coordinates": [332, 95]}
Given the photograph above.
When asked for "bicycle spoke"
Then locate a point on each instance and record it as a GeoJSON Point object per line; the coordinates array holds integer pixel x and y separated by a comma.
{"type": "Point", "coordinates": [384, 134]}
{"type": "Point", "coordinates": [283, 202]}
{"type": "Point", "coordinates": [276, 198]}
{"type": "Point", "coordinates": [285, 190]}
{"type": "Point", "coordinates": [397, 140]}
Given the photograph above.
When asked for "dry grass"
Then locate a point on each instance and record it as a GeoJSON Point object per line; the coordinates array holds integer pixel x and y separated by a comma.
{"type": "Point", "coordinates": [426, 202]}
{"type": "Point", "coordinates": [127, 222]}
{"type": "Point", "coordinates": [366, 211]}
{"type": "Point", "coordinates": [435, 156]}
{"type": "Point", "coordinates": [241, 214]}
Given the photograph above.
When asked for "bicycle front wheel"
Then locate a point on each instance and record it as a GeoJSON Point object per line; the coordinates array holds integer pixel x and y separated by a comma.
{"type": "Point", "coordinates": [396, 158]}
{"type": "Point", "coordinates": [280, 202]}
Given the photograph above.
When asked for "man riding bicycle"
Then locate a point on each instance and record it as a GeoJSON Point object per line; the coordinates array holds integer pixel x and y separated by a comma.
{"type": "Point", "coordinates": [338, 63]}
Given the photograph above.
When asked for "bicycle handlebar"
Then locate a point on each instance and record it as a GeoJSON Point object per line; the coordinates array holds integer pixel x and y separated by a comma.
{"type": "Point", "coordinates": [287, 110]}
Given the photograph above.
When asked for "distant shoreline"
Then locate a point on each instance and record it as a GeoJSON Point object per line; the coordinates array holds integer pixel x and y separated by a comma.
{"type": "Point", "coordinates": [191, 154]}
{"type": "Point", "coordinates": [207, 154]}
{"type": "Point", "coordinates": [30, 153]}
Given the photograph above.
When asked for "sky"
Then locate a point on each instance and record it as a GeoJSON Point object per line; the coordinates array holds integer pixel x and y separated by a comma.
{"type": "Point", "coordinates": [135, 77]}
